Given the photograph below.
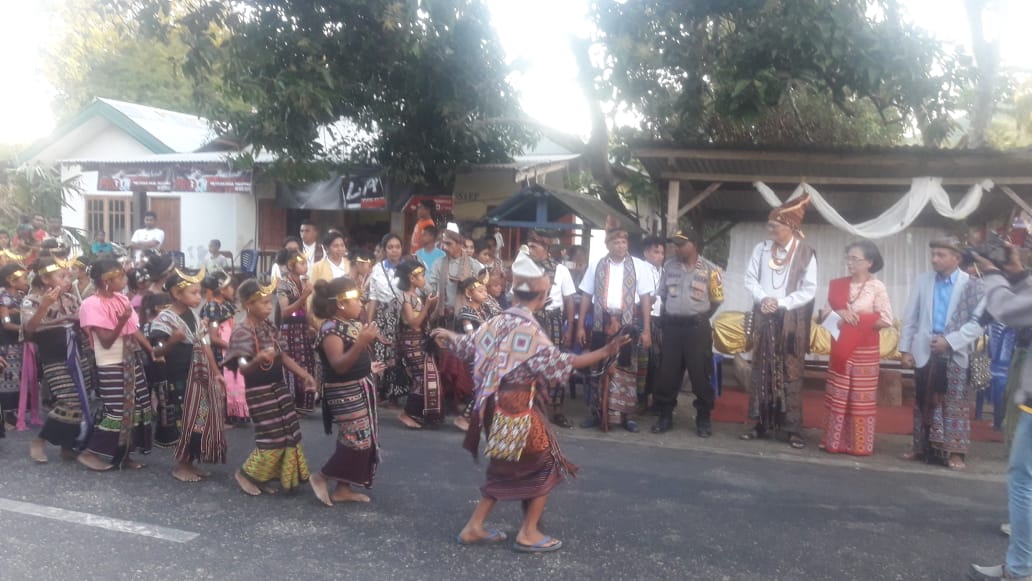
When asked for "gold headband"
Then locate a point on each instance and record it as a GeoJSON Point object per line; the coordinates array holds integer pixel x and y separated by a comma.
{"type": "Point", "coordinates": [348, 295]}
{"type": "Point", "coordinates": [417, 270]}
{"type": "Point", "coordinates": [12, 255]}
{"type": "Point", "coordinates": [476, 285]}
{"type": "Point", "coordinates": [363, 260]}
{"type": "Point", "coordinates": [51, 268]}
{"type": "Point", "coordinates": [261, 293]}
{"type": "Point", "coordinates": [16, 275]}
{"type": "Point", "coordinates": [112, 274]}
{"type": "Point", "coordinates": [300, 258]}
{"type": "Point", "coordinates": [189, 280]}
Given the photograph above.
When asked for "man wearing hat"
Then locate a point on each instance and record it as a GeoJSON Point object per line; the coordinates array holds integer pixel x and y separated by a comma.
{"type": "Point", "coordinates": [940, 325]}
{"type": "Point", "coordinates": [559, 303]}
{"type": "Point", "coordinates": [691, 290]}
{"type": "Point", "coordinates": [443, 279]}
{"type": "Point", "coordinates": [782, 279]}
{"type": "Point", "coordinates": [619, 289]}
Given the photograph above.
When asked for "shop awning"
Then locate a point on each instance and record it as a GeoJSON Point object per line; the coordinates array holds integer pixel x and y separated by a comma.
{"type": "Point", "coordinates": [539, 207]}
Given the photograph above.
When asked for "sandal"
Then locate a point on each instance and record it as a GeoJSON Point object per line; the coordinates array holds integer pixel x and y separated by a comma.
{"type": "Point", "coordinates": [955, 462]}
{"type": "Point", "coordinates": [753, 434]}
{"type": "Point", "coordinates": [539, 547]}
{"type": "Point", "coordinates": [796, 442]}
{"type": "Point", "coordinates": [493, 536]}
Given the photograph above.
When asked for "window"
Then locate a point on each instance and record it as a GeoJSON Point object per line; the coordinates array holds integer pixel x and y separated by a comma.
{"type": "Point", "coordinates": [113, 215]}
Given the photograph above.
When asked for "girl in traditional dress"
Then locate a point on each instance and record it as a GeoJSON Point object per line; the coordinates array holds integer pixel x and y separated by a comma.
{"type": "Point", "coordinates": [292, 292]}
{"type": "Point", "coordinates": [82, 284]}
{"type": "Point", "coordinates": [50, 316]}
{"type": "Point", "coordinates": [113, 326]}
{"type": "Point", "coordinates": [191, 378]}
{"type": "Point", "coordinates": [423, 405]}
{"type": "Point", "coordinates": [383, 308]}
{"type": "Point", "coordinates": [470, 317]}
{"type": "Point", "coordinates": [255, 351]}
{"type": "Point", "coordinates": [851, 397]}
{"type": "Point", "coordinates": [349, 391]}
{"type": "Point", "coordinates": [514, 362]}
{"type": "Point", "coordinates": [362, 267]}
{"type": "Point", "coordinates": [218, 313]}
{"type": "Point", "coordinates": [15, 280]}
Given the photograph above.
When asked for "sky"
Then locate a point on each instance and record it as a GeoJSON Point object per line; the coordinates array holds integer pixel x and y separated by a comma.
{"type": "Point", "coordinates": [534, 34]}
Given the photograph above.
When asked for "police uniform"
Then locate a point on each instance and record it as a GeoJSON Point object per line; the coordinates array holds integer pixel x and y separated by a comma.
{"type": "Point", "coordinates": [690, 294]}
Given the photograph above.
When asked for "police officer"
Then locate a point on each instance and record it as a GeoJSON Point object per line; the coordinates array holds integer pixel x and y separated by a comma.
{"type": "Point", "coordinates": [692, 290]}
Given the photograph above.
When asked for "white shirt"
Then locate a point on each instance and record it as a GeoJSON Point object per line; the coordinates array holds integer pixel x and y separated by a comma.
{"type": "Point", "coordinates": [762, 282]}
{"type": "Point", "coordinates": [383, 284]}
{"type": "Point", "coordinates": [657, 301]}
{"type": "Point", "coordinates": [562, 287]}
{"type": "Point", "coordinates": [309, 252]}
{"type": "Point", "coordinates": [147, 235]}
{"type": "Point", "coordinates": [216, 263]}
{"type": "Point", "coordinates": [338, 271]}
{"type": "Point", "coordinates": [614, 296]}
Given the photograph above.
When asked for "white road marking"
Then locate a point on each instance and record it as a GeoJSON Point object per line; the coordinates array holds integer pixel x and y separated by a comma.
{"type": "Point", "coordinates": [101, 522]}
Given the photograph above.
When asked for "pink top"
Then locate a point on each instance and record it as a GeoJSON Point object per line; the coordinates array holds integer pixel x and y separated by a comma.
{"type": "Point", "coordinates": [102, 312]}
{"type": "Point", "coordinates": [870, 297]}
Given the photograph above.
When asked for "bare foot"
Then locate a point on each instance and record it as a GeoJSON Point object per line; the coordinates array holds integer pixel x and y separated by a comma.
{"type": "Point", "coordinates": [470, 536]}
{"type": "Point", "coordinates": [201, 473]}
{"type": "Point", "coordinates": [343, 493]}
{"type": "Point", "coordinates": [461, 423]}
{"type": "Point", "coordinates": [37, 451]}
{"type": "Point", "coordinates": [246, 485]}
{"type": "Point", "coordinates": [956, 462]}
{"type": "Point", "coordinates": [409, 422]}
{"type": "Point", "coordinates": [93, 462]}
{"type": "Point", "coordinates": [185, 473]}
{"type": "Point", "coordinates": [131, 464]}
{"type": "Point", "coordinates": [321, 488]}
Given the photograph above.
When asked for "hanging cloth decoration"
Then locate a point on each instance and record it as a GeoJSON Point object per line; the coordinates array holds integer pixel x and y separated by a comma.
{"type": "Point", "coordinates": [898, 217]}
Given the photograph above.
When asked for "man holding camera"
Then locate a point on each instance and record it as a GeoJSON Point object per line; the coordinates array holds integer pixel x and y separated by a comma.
{"type": "Point", "coordinates": [1008, 298]}
{"type": "Point", "coordinates": [940, 325]}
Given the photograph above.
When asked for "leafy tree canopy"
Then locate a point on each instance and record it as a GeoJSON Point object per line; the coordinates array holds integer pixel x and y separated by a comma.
{"type": "Point", "coordinates": [417, 78]}
{"type": "Point", "coordinates": [840, 72]}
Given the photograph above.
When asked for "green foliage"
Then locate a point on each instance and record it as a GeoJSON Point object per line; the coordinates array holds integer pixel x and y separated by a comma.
{"type": "Point", "coordinates": [843, 72]}
{"type": "Point", "coordinates": [422, 81]}
{"type": "Point", "coordinates": [30, 189]}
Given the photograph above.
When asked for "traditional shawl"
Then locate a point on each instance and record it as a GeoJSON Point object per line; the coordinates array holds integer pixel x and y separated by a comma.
{"type": "Point", "coordinates": [443, 271]}
{"type": "Point", "coordinates": [863, 334]}
{"type": "Point", "coordinates": [599, 298]}
{"type": "Point", "coordinates": [795, 328]}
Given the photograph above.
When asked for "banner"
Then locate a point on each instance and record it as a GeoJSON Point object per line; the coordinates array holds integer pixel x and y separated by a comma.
{"type": "Point", "coordinates": [341, 192]}
{"type": "Point", "coordinates": [442, 204]}
{"type": "Point", "coordinates": [213, 178]}
{"type": "Point", "coordinates": [209, 178]}
{"type": "Point", "coordinates": [128, 179]}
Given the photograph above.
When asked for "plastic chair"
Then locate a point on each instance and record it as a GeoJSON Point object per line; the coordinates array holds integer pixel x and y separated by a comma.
{"type": "Point", "coordinates": [249, 261]}
{"type": "Point", "coordinates": [178, 258]}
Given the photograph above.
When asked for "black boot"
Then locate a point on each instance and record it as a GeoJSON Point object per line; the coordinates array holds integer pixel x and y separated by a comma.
{"type": "Point", "coordinates": [665, 423]}
{"type": "Point", "coordinates": [703, 428]}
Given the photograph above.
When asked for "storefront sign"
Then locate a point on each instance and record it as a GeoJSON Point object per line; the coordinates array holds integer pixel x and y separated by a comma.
{"type": "Point", "coordinates": [213, 178]}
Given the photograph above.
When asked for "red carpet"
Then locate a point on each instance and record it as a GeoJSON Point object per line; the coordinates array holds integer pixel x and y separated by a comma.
{"type": "Point", "coordinates": [733, 405]}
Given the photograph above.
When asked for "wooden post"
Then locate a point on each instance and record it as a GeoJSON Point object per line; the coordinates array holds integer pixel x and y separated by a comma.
{"type": "Point", "coordinates": [673, 204]}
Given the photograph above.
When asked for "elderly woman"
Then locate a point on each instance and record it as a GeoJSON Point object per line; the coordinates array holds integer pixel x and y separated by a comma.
{"type": "Point", "coordinates": [514, 363]}
{"type": "Point", "coordinates": [861, 304]}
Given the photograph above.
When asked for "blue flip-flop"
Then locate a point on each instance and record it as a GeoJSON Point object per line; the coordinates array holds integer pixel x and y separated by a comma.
{"type": "Point", "coordinates": [493, 536]}
{"type": "Point", "coordinates": [541, 546]}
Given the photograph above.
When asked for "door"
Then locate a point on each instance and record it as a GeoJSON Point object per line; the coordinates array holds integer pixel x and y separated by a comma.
{"type": "Point", "coordinates": [167, 210]}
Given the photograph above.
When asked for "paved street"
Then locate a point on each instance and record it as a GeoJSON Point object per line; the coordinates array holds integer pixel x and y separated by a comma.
{"type": "Point", "coordinates": [638, 511]}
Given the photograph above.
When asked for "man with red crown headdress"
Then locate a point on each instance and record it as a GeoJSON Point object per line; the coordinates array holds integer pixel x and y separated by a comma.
{"type": "Point", "coordinates": [782, 279]}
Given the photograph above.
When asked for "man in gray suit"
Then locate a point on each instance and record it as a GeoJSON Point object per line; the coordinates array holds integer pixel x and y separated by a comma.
{"type": "Point", "coordinates": [940, 325]}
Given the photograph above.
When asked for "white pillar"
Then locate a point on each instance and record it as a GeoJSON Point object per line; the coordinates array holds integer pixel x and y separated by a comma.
{"type": "Point", "coordinates": [673, 204]}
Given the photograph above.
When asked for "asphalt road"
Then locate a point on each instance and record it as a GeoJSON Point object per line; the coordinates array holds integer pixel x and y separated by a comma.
{"type": "Point", "coordinates": [635, 512]}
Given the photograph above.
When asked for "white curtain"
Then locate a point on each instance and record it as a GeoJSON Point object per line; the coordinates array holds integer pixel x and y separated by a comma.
{"type": "Point", "coordinates": [898, 217]}
{"type": "Point", "coordinates": [906, 255]}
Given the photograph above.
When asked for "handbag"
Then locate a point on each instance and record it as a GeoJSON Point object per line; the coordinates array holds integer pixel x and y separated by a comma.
{"type": "Point", "coordinates": [507, 438]}
{"type": "Point", "coordinates": [980, 373]}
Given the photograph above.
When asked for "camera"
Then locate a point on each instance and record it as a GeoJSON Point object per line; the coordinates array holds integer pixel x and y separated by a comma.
{"type": "Point", "coordinates": [994, 250]}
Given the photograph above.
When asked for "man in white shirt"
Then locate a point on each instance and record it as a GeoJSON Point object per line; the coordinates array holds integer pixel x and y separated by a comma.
{"type": "Point", "coordinates": [654, 253]}
{"type": "Point", "coordinates": [560, 302]}
{"type": "Point", "coordinates": [215, 261]}
{"type": "Point", "coordinates": [782, 279]}
{"type": "Point", "coordinates": [619, 289]}
{"type": "Point", "coordinates": [310, 246]}
{"type": "Point", "coordinates": [150, 237]}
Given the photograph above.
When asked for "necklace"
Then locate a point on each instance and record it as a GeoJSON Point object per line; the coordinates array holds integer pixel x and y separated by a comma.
{"type": "Point", "coordinates": [853, 298]}
{"type": "Point", "coordinates": [778, 263]}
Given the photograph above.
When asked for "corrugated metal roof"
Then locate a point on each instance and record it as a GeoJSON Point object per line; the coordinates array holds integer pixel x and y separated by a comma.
{"type": "Point", "coordinates": [522, 207]}
{"type": "Point", "coordinates": [179, 131]}
{"type": "Point", "coordinates": [166, 158]}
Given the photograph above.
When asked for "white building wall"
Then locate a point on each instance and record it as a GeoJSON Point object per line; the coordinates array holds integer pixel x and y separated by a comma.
{"type": "Point", "coordinates": [204, 216]}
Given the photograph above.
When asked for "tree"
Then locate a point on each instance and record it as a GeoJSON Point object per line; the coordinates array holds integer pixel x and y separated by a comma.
{"type": "Point", "coordinates": [416, 78]}
{"type": "Point", "coordinates": [764, 72]}
{"type": "Point", "coordinates": [98, 52]}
